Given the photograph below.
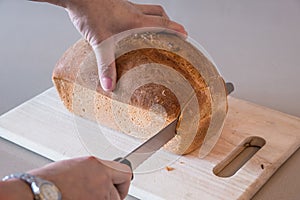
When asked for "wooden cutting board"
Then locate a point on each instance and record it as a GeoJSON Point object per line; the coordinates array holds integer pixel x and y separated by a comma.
{"type": "Point", "coordinates": [44, 126]}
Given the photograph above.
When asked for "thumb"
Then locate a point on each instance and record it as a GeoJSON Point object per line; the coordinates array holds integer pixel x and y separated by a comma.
{"type": "Point", "coordinates": [106, 65]}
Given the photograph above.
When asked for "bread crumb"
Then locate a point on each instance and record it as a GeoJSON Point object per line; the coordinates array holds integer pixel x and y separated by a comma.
{"type": "Point", "coordinates": [170, 168]}
{"type": "Point", "coordinates": [181, 162]}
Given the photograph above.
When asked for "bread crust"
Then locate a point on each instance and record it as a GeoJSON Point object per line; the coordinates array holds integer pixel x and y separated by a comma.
{"type": "Point", "coordinates": [76, 73]}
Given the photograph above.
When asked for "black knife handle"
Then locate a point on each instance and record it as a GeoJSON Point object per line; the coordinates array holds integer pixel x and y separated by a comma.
{"type": "Point", "coordinates": [126, 162]}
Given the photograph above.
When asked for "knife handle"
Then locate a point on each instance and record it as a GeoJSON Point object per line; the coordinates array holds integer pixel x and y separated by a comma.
{"type": "Point", "coordinates": [126, 162]}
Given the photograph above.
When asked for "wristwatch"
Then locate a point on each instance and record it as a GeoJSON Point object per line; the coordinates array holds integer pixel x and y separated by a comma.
{"type": "Point", "coordinates": [41, 189]}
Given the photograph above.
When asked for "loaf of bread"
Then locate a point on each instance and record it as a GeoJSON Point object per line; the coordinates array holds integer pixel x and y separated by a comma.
{"type": "Point", "coordinates": [160, 77]}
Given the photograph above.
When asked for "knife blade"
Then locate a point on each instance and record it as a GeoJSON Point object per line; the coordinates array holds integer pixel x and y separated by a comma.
{"type": "Point", "coordinates": [149, 147]}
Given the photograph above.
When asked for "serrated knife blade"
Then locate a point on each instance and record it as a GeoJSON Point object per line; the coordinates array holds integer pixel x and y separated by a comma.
{"type": "Point", "coordinates": [149, 147]}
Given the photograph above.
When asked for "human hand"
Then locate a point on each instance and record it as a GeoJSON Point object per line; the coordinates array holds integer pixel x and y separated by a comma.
{"type": "Point", "coordinates": [97, 20]}
{"type": "Point", "coordinates": [87, 178]}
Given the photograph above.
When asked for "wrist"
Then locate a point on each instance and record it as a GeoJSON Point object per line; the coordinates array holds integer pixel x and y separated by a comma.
{"type": "Point", "coordinates": [40, 188]}
{"type": "Point", "coordinates": [15, 189]}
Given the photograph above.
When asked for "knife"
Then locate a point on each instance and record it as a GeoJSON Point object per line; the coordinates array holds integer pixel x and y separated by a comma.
{"type": "Point", "coordinates": [149, 147]}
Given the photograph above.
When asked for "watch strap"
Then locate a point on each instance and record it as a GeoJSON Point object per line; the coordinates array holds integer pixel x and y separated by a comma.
{"type": "Point", "coordinates": [29, 179]}
{"type": "Point", "coordinates": [32, 181]}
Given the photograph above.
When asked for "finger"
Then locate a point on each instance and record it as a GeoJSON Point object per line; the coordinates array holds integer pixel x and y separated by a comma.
{"type": "Point", "coordinates": [114, 194]}
{"type": "Point", "coordinates": [152, 10]}
{"type": "Point", "coordinates": [156, 21]}
{"type": "Point", "coordinates": [121, 176]}
{"type": "Point", "coordinates": [123, 189]}
{"type": "Point", "coordinates": [106, 65]}
{"type": "Point", "coordinates": [122, 181]}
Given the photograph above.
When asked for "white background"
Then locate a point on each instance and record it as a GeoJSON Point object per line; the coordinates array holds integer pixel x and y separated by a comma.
{"type": "Point", "coordinates": [256, 45]}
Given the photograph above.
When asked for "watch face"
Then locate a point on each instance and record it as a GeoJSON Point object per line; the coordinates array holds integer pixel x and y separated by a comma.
{"type": "Point", "coordinates": [48, 191]}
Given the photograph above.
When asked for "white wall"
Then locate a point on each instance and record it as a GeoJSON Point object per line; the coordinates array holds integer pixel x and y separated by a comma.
{"type": "Point", "coordinates": [32, 38]}
{"type": "Point", "coordinates": [255, 44]}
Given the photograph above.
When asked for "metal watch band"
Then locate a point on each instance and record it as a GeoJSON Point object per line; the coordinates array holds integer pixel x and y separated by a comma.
{"type": "Point", "coordinates": [29, 179]}
{"type": "Point", "coordinates": [34, 183]}
{"type": "Point", "coordinates": [23, 176]}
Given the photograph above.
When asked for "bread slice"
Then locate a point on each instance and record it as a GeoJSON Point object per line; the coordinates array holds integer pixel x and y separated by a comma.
{"type": "Point", "coordinates": [159, 77]}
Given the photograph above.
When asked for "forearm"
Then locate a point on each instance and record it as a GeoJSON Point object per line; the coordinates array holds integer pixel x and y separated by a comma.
{"type": "Point", "coordinates": [15, 189]}
{"type": "Point", "coordinates": [61, 3]}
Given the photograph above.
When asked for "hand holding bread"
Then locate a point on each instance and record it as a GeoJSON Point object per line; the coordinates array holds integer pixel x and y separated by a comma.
{"type": "Point", "coordinates": [98, 20]}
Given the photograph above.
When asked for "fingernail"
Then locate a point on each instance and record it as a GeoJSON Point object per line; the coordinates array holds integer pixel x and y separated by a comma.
{"type": "Point", "coordinates": [106, 83]}
{"type": "Point", "coordinates": [186, 34]}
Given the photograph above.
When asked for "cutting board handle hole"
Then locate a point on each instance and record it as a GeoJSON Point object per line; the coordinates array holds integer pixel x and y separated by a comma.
{"type": "Point", "coordinates": [239, 156]}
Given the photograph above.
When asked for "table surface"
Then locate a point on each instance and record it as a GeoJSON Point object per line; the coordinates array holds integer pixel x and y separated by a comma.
{"type": "Point", "coordinates": [283, 185]}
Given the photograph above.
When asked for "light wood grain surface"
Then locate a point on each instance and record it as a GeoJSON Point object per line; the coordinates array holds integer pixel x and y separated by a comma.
{"type": "Point", "coordinates": [44, 126]}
